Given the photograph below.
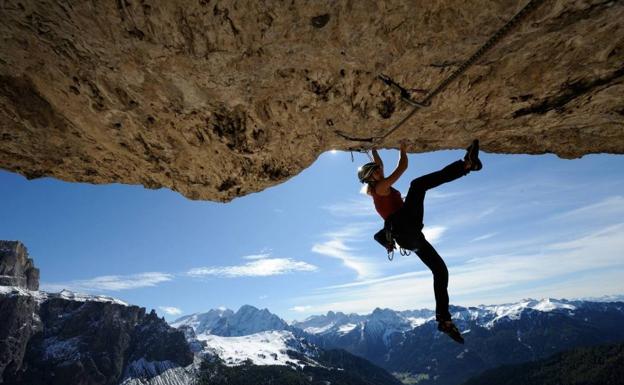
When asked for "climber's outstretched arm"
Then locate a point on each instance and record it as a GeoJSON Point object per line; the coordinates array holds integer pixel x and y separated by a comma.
{"type": "Point", "coordinates": [383, 186]}
{"type": "Point", "coordinates": [377, 158]}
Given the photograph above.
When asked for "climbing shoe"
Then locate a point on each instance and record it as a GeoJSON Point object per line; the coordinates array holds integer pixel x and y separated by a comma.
{"type": "Point", "coordinates": [448, 328]}
{"type": "Point", "coordinates": [472, 156]}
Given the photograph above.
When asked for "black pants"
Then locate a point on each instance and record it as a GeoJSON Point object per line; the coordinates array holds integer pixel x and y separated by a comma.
{"type": "Point", "coordinates": [407, 224]}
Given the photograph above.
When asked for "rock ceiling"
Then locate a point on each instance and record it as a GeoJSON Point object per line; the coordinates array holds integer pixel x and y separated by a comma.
{"type": "Point", "coordinates": [218, 99]}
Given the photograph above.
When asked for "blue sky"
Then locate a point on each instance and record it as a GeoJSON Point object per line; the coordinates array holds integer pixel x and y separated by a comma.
{"type": "Point", "coordinates": [524, 226]}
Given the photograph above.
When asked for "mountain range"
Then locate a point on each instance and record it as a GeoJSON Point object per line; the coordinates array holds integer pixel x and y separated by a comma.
{"type": "Point", "coordinates": [408, 344]}
{"type": "Point", "coordinates": [69, 338]}
{"type": "Point", "coordinates": [60, 338]}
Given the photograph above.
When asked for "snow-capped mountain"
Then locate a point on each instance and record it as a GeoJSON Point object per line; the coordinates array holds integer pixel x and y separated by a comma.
{"type": "Point", "coordinates": [230, 347]}
{"type": "Point", "coordinates": [331, 323]}
{"type": "Point", "coordinates": [224, 322]}
{"type": "Point", "coordinates": [408, 341]}
{"type": "Point", "coordinates": [390, 320]}
{"type": "Point", "coordinates": [203, 322]}
{"type": "Point", "coordinates": [248, 335]}
{"type": "Point", "coordinates": [488, 315]}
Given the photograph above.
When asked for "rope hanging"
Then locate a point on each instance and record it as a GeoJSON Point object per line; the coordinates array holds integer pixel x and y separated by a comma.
{"type": "Point", "coordinates": [498, 35]}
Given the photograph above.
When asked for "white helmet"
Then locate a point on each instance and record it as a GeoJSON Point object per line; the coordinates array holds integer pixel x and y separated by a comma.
{"type": "Point", "coordinates": [365, 171]}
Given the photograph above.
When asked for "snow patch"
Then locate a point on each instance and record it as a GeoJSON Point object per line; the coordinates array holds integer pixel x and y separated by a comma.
{"type": "Point", "coordinates": [41, 296]}
{"type": "Point", "coordinates": [344, 329]}
{"type": "Point", "coordinates": [172, 376]}
{"type": "Point", "coordinates": [147, 369]}
{"type": "Point", "coordinates": [416, 321]}
{"type": "Point", "coordinates": [319, 330]}
{"type": "Point", "coordinates": [265, 348]}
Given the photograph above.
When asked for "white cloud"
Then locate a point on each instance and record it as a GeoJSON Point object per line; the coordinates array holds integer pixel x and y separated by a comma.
{"type": "Point", "coordinates": [257, 256]}
{"type": "Point", "coordinates": [257, 268]}
{"type": "Point", "coordinates": [300, 309]}
{"type": "Point", "coordinates": [433, 233]}
{"type": "Point", "coordinates": [170, 310]}
{"type": "Point", "coordinates": [112, 282]}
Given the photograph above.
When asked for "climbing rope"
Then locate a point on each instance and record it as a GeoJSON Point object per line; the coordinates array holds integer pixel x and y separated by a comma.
{"type": "Point", "coordinates": [492, 41]}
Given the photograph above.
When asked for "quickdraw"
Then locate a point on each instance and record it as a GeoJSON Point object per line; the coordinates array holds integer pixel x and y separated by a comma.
{"type": "Point", "coordinates": [402, 251]}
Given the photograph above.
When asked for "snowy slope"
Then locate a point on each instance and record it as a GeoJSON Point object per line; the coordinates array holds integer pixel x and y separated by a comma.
{"type": "Point", "coordinates": [142, 370]}
{"type": "Point", "coordinates": [264, 348]}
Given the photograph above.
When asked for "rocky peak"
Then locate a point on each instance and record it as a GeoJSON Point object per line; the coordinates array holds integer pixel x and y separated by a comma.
{"type": "Point", "coordinates": [67, 338]}
{"type": "Point", "coordinates": [16, 268]}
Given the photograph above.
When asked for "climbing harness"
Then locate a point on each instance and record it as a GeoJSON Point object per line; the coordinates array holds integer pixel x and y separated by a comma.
{"type": "Point", "coordinates": [530, 6]}
{"type": "Point", "coordinates": [387, 239]}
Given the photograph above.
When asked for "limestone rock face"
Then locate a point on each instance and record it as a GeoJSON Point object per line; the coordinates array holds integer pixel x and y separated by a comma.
{"type": "Point", "coordinates": [217, 99]}
{"type": "Point", "coordinates": [16, 268]}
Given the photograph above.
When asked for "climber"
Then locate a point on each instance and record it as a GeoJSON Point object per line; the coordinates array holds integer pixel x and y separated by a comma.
{"type": "Point", "coordinates": [404, 219]}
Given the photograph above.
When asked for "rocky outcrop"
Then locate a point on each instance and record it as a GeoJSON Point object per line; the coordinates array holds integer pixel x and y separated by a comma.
{"type": "Point", "coordinates": [18, 323]}
{"type": "Point", "coordinates": [18, 313]}
{"type": "Point", "coordinates": [99, 343]}
{"type": "Point", "coordinates": [217, 99]}
{"type": "Point", "coordinates": [77, 339]}
{"type": "Point", "coordinates": [16, 268]}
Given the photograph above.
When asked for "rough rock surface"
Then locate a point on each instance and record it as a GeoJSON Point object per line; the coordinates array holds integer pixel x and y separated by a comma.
{"type": "Point", "coordinates": [16, 269]}
{"type": "Point", "coordinates": [217, 99]}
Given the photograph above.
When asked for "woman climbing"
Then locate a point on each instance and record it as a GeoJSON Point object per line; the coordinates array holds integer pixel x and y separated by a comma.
{"type": "Point", "coordinates": [404, 219]}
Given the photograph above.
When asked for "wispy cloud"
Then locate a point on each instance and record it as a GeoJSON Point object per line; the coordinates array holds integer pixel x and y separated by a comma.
{"type": "Point", "coordinates": [258, 268]}
{"type": "Point", "coordinates": [483, 237]}
{"type": "Point", "coordinates": [336, 246]}
{"type": "Point", "coordinates": [257, 256]}
{"type": "Point", "coordinates": [170, 310]}
{"type": "Point", "coordinates": [111, 282]}
{"type": "Point", "coordinates": [609, 208]}
{"type": "Point", "coordinates": [550, 271]}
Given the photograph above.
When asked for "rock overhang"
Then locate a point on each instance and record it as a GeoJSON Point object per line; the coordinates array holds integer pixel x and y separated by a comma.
{"type": "Point", "coordinates": [218, 99]}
